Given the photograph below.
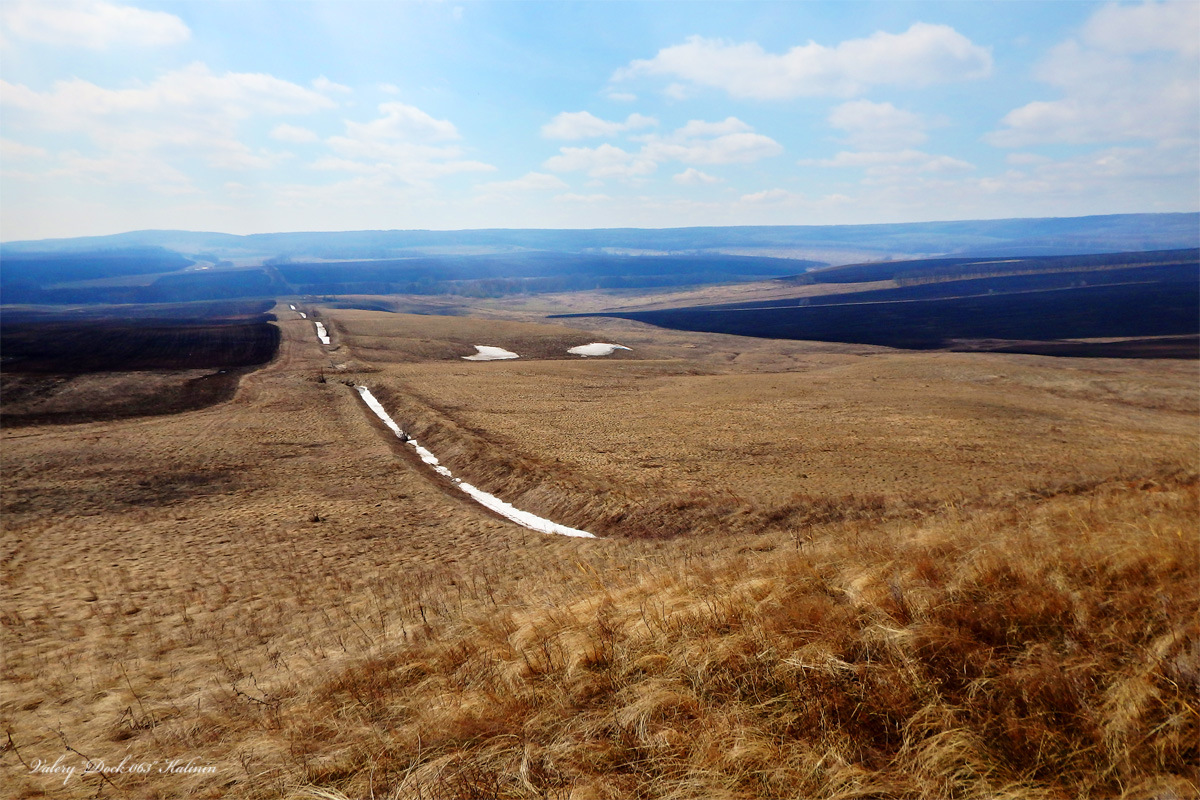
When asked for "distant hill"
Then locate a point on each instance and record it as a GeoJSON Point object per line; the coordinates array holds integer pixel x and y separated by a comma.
{"type": "Point", "coordinates": [1024, 237]}
{"type": "Point", "coordinates": [175, 266]}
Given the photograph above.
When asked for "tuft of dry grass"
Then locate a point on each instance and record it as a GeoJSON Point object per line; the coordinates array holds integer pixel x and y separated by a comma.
{"type": "Point", "coordinates": [1046, 650]}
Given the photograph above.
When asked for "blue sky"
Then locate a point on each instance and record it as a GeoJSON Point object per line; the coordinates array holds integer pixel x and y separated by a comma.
{"type": "Point", "coordinates": [245, 117]}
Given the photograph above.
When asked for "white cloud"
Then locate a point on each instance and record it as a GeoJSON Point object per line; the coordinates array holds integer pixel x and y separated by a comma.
{"type": "Point", "coordinates": [1104, 171]}
{"type": "Point", "coordinates": [530, 182]}
{"type": "Point", "coordinates": [770, 197]}
{"type": "Point", "coordinates": [93, 24]}
{"type": "Point", "coordinates": [699, 142]}
{"type": "Point", "coordinates": [582, 198]}
{"type": "Point", "coordinates": [293, 133]}
{"type": "Point", "coordinates": [922, 55]}
{"type": "Point", "coordinates": [878, 125]}
{"type": "Point", "coordinates": [1145, 28]}
{"type": "Point", "coordinates": [148, 133]}
{"type": "Point", "coordinates": [696, 127]}
{"type": "Point", "coordinates": [621, 97]}
{"type": "Point", "coordinates": [694, 177]}
{"type": "Point", "coordinates": [125, 168]}
{"type": "Point", "coordinates": [11, 151]}
{"type": "Point", "coordinates": [404, 144]}
{"type": "Point", "coordinates": [193, 90]}
{"type": "Point", "coordinates": [402, 121]}
{"type": "Point", "coordinates": [605, 161]}
{"type": "Point", "coordinates": [729, 141]}
{"type": "Point", "coordinates": [732, 148]}
{"type": "Point", "coordinates": [1114, 87]}
{"type": "Point", "coordinates": [583, 125]}
{"type": "Point", "coordinates": [323, 84]}
{"type": "Point", "coordinates": [1025, 159]}
{"type": "Point", "coordinates": [894, 163]}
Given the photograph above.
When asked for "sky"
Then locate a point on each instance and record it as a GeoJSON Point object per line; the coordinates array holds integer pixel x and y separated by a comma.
{"type": "Point", "coordinates": [245, 117]}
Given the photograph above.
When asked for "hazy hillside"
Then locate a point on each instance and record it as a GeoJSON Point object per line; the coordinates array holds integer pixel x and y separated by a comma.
{"type": "Point", "coordinates": [1048, 236]}
{"type": "Point", "coordinates": [177, 266]}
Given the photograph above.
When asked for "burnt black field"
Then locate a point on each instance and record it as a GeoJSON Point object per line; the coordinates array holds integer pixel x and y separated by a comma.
{"type": "Point", "coordinates": [114, 346]}
{"type": "Point", "coordinates": [163, 337]}
{"type": "Point", "coordinates": [1025, 312]}
{"type": "Point", "coordinates": [48, 352]}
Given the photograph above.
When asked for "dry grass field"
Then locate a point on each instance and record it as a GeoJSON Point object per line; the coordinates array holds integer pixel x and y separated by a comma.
{"type": "Point", "coordinates": [824, 571]}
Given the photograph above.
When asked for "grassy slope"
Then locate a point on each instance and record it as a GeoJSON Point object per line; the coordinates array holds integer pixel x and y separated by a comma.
{"type": "Point", "coordinates": [1047, 649]}
{"type": "Point", "coordinates": [264, 586]}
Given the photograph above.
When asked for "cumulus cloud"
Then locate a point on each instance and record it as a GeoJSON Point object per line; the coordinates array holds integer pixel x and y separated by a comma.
{"type": "Point", "coordinates": [1145, 28]}
{"type": "Point", "coordinates": [694, 177]}
{"type": "Point", "coordinates": [125, 168]}
{"type": "Point", "coordinates": [605, 161]}
{"type": "Point", "coordinates": [924, 54]}
{"type": "Point", "coordinates": [583, 125]}
{"type": "Point", "coordinates": [530, 182]}
{"type": "Point", "coordinates": [620, 97]}
{"type": "Point", "coordinates": [732, 148]}
{"type": "Point", "coordinates": [293, 133]}
{"type": "Point", "coordinates": [194, 91]}
{"type": "Point", "coordinates": [880, 126]}
{"type": "Point", "coordinates": [323, 84]}
{"type": "Point", "coordinates": [1131, 74]}
{"type": "Point", "coordinates": [894, 163]}
{"type": "Point", "coordinates": [93, 24]}
{"type": "Point", "coordinates": [404, 144]}
{"type": "Point", "coordinates": [729, 141]}
{"type": "Point", "coordinates": [402, 121]}
{"type": "Point", "coordinates": [190, 113]}
{"type": "Point", "coordinates": [11, 151]}
{"type": "Point", "coordinates": [590, 199]}
{"type": "Point", "coordinates": [770, 196]}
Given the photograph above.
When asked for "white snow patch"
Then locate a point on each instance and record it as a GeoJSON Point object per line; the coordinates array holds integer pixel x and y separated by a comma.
{"type": "Point", "coordinates": [518, 516]}
{"type": "Point", "coordinates": [487, 353]}
{"type": "Point", "coordinates": [292, 307]}
{"type": "Point", "coordinates": [523, 518]}
{"type": "Point", "coordinates": [302, 315]}
{"type": "Point", "coordinates": [322, 334]}
{"type": "Point", "coordinates": [596, 349]}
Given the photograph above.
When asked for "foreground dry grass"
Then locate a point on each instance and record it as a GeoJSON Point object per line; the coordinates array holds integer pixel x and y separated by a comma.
{"type": "Point", "coordinates": [1042, 651]}
{"type": "Point", "coordinates": [985, 584]}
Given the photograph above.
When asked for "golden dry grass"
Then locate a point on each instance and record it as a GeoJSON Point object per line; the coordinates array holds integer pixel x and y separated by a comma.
{"type": "Point", "coordinates": [830, 571]}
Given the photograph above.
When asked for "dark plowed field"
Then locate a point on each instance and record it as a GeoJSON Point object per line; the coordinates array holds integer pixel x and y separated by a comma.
{"type": "Point", "coordinates": [1017, 313]}
{"type": "Point", "coordinates": [114, 346]}
{"type": "Point", "coordinates": [59, 369]}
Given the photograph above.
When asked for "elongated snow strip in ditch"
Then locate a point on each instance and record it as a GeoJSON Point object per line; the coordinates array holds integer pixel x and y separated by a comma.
{"type": "Point", "coordinates": [523, 518]}
{"type": "Point", "coordinates": [322, 334]}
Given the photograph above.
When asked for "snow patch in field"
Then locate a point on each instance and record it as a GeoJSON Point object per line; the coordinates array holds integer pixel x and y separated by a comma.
{"type": "Point", "coordinates": [292, 307]}
{"type": "Point", "coordinates": [523, 518]}
{"type": "Point", "coordinates": [302, 315]}
{"type": "Point", "coordinates": [487, 353]}
{"type": "Point", "coordinates": [596, 349]}
{"type": "Point", "coordinates": [322, 334]}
